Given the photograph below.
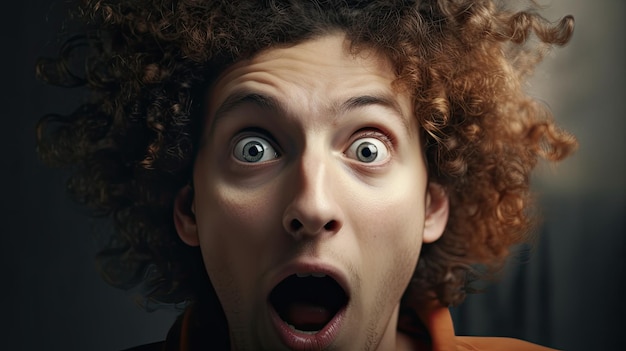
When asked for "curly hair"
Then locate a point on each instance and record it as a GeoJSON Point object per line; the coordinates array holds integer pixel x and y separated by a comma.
{"type": "Point", "coordinates": [147, 64]}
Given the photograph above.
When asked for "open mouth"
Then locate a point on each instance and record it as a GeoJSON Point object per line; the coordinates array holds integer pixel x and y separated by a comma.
{"type": "Point", "coordinates": [307, 302]}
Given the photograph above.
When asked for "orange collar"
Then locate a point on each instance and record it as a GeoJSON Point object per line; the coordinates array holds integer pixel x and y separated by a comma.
{"type": "Point", "coordinates": [432, 329]}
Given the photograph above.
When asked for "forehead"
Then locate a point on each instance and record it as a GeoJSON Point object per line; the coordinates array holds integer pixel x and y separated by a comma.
{"type": "Point", "coordinates": [321, 72]}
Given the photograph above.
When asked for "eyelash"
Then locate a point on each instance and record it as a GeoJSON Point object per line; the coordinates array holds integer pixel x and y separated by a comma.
{"type": "Point", "coordinates": [256, 132]}
{"type": "Point", "coordinates": [379, 134]}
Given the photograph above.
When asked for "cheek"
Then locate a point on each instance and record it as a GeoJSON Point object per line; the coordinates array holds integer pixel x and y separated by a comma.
{"type": "Point", "coordinates": [390, 257]}
{"type": "Point", "coordinates": [394, 241]}
{"type": "Point", "coordinates": [394, 221]}
{"type": "Point", "coordinates": [398, 245]}
{"type": "Point", "coordinates": [236, 231]}
{"type": "Point", "coordinates": [230, 220]}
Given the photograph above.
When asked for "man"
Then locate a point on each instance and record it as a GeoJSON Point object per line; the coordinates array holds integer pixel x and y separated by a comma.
{"type": "Point", "coordinates": [335, 169]}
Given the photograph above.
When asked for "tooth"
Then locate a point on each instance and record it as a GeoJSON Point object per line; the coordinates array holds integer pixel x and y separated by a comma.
{"type": "Point", "coordinates": [302, 331]}
{"type": "Point", "coordinates": [303, 275]}
{"type": "Point", "coordinates": [318, 275]}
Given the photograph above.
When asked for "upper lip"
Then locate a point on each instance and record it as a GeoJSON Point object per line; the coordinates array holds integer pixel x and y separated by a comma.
{"type": "Point", "coordinates": [311, 266]}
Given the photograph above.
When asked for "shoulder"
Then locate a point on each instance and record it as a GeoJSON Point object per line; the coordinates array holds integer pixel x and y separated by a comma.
{"type": "Point", "coordinates": [155, 346]}
{"type": "Point", "coordinates": [475, 343]}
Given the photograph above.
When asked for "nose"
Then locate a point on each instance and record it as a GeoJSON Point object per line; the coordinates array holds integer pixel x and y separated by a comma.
{"type": "Point", "coordinates": [313, 209]}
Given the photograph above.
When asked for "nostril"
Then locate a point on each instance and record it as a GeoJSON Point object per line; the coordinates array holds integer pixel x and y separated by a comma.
{"type": "Point", "coordinates": [331, 226]}
{"type": "Point", "coordinates": [295, 225]}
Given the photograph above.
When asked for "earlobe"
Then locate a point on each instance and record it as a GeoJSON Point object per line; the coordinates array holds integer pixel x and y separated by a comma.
{"type": "Point", "coordinates": [437, 211]}
{"type": "Point", "coordinates": [185, 217]}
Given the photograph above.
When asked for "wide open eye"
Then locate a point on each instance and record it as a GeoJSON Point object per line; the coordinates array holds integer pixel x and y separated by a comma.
{"type": "Point", "coordinates": [368, 150]}
{"type": "Point", "coordinates": [254, 150]}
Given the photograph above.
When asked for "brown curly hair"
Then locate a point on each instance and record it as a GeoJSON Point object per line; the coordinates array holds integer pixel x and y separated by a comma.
{"type": "Point", "coordinates": [148, 63]}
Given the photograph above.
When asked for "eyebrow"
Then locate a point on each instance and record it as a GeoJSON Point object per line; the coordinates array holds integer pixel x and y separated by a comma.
{"type": "Point", "coordinates": [384, 100]}
{"type": "Point", "coordinates": [240, 98]}
{"type": "Point", "coordinates": [270, 103]}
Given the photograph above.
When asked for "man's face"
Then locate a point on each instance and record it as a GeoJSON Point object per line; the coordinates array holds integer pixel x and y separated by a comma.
{"type": "Point", "coordinates": [310, 198]}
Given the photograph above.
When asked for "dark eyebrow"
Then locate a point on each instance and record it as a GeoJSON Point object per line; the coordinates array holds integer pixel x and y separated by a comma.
{"type": "Point", "coordinates": [240, 98]}
{"type": "Point", "coordinates": [381, 100]}
{"type": "Point", "coordinates": [270, 103]}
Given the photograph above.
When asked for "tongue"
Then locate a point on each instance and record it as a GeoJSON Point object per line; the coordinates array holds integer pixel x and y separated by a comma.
{"type": "Point", "coordinates": [308, 304]}
{"type": "Point", "coordinates": [307, 317]}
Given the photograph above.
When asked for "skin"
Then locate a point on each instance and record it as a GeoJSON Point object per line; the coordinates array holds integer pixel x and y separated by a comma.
{"type": "Point", "coordinates": [311, 199]}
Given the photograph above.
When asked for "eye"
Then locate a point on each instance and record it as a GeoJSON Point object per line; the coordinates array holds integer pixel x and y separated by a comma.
{"type": "Point", "coordinates": [254, 150]}
{"type": "Point", "coordinates": [368, 150]}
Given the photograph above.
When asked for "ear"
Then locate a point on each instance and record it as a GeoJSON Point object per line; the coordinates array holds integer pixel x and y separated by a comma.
{"type": "Point", "coordinates": [437, 210]}
{"type": "Point", "coordinates": [185, 217]}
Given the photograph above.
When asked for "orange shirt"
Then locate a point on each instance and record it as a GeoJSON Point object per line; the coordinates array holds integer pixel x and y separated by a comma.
{"type": "Point", "coordinates": [189, 334]}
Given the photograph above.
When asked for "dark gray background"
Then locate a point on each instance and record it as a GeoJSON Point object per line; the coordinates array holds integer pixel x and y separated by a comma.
{"type": "Point", "coordinates": [566, 293]}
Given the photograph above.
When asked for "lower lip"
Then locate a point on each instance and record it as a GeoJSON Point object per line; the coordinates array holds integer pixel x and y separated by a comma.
{"type": "Point", "coordinates": [296, 340]}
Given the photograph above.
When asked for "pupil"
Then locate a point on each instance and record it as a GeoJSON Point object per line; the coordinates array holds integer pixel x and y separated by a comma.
{"type": "Point", "coordinates": [253, 151]}
{"type": "Point", "coordinates": [367, 152]}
